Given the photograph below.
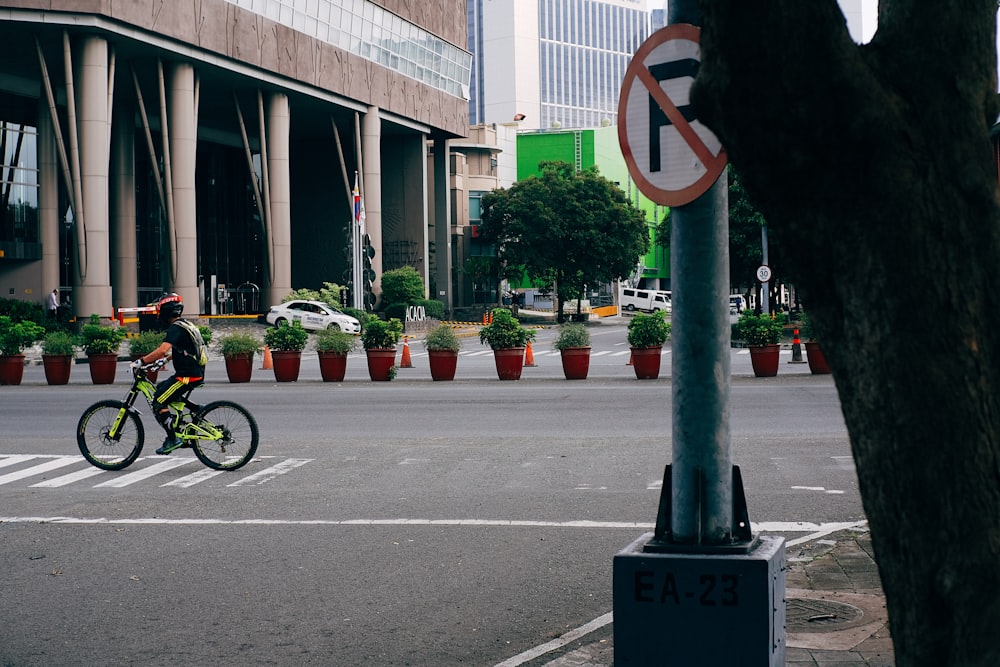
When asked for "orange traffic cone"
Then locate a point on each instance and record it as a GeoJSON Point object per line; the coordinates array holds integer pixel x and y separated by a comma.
{"type": "Point", "coordinates": [529, 356]}
{"type": "Point", "coordinates": [268, 364]}
{"type": "Point", "coordinates": [406, 362]}
{"type": "Point", "coordinates": [796, 349]}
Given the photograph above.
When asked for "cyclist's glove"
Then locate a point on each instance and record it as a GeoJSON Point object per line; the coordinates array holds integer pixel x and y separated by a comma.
{"type": "Point", "coordinates": [136, 365]}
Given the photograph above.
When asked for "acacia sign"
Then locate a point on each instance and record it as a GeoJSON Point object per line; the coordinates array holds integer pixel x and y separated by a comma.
{"type": "Point", "coordinates": [672, 157]}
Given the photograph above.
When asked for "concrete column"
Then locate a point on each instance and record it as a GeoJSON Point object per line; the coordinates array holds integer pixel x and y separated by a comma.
{"type": "Point", "coordinates": [442, 223]}
{"type": "Point", "coordinates": [93, 294]}
{"type": "Point", "coordinates": [49, 217]}
{"type": "Point", "coordinates": [279, 175]}
{"type": "Point", "coordinates": [124, 256]}
{"type": "Point", "coordinates": [183, 153]}
{"type": "Point", "coordinates": [371, 156]}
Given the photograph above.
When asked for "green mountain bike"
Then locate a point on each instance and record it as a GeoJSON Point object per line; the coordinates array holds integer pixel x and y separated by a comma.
{"type": "Point", "coordinates": [222, 434]}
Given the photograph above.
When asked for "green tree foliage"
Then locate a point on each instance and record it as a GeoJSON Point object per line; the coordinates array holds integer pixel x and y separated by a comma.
{"type": "Point", "coordinates": [402, 285]}
{"type": "Point", "coordinates": [564, 228]}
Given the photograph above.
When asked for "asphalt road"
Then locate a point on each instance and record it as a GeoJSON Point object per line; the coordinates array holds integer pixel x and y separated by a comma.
{"type": "Point", "coordinates": [403, 523]}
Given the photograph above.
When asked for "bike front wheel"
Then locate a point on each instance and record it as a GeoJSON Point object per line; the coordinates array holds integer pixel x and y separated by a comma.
{"type": "Point", "coordinates": [229, 435]}
{"type": "Point", "coordinates": [95, 439]}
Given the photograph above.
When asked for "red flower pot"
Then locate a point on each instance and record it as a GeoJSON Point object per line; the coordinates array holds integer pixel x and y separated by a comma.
{"type": "Point", "coordinates": [646, 362]}
{"type": "Point", "coordinates": [57, 368]}
{"type": "Point", "coordinates": [103, 367]}
{"type": "Point", "coordinates": [380, 362]}
{"type": "Point", "coordinates": [575, 362]}
{"type": "Point", "coordinates": [509, 362]}
{"type": "Point", "coordinates": [764, 359]}
{"type": "Point", "coordinates": [816, 359]}
{"type": "Point", "coordinates": [239, 367]}
{"type": "Point", "coordinates": [286, 364]}
{"type": "Point", "coordinates": [11, 369]}
{"type": "Point", "coordinates": [332, 366]}
{"type": "Point", "coordinates": [443, 364]}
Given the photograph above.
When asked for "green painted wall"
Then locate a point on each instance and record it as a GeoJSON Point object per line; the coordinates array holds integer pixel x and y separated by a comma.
{"type": "Point", "coordinates": [598, 146]}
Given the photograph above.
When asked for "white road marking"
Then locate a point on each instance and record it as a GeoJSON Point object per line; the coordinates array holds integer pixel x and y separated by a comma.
{"type": "Point", "coordinates": [268, 474]}
{"type": "Point", "coordinates": [51, 464]}
{"type": "Point", "coordinates": [146, 473]}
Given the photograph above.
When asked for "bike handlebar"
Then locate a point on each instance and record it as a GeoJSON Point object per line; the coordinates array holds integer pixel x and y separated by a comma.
{"type": "Point", "coordinates": [147, 368]}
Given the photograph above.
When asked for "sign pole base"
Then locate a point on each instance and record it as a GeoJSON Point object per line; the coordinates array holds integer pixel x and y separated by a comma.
{"type": "Point", "coordinates": [700, 609]}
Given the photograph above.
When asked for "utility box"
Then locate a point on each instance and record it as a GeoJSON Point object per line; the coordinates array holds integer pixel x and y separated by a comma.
{"type": "Point", "coordinates": [700, 609]}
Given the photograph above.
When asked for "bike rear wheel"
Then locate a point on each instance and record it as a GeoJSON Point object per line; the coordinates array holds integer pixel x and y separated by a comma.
{"type": "Point", "coordinates": [239, 436]}
{"type": "Point", "coordinates": [98, 447]}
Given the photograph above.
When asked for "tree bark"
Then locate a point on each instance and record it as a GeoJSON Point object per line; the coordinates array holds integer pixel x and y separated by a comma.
{"type": "Point", "coordinates": [875, 163]}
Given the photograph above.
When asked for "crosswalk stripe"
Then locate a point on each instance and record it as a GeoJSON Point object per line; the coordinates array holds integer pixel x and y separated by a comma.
{"type": "Point", "coordinates": [52, 464]}
{"type": "Point", "coordinates": [145, 473]}
{"type": "Point", "coordinates": [270, 473]}
{"type": "Point", "coordinates": [14, 459]}
{"type": "Point", "coordinates": [194, 478]}
{"type": "Point", "coordinates": [63, 480]}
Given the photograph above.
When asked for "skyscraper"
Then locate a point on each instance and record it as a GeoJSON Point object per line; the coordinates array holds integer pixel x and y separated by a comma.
{"type": "Point", "coordinates": [555, 63]}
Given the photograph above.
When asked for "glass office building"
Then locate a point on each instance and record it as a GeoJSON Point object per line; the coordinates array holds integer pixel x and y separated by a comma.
{"type": "Point", "coordinates": [557, 63]}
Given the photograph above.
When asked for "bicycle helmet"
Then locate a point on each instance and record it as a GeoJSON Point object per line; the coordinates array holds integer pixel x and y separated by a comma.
{"type": "Point", "coordinates": [169, 306]}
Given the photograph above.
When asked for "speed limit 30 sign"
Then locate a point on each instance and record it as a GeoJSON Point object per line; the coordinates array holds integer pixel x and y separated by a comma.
{"type": "Point", "coordinates": [672, 157]}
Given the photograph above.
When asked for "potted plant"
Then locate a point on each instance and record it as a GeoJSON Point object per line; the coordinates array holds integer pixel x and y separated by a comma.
{"type": "Point", "coordinates": [58, 348]}
{"type": "Point", "coordinates": [333, 346]}
{"type": "Point", "coordinates": [144, 343]}
{"type": "Point", "coordinates": [646, 335]}
{"type": "Point", "coordinates": [508, 339]}
{"type": "Point", "coordinates": [286, 343]}
{"type": "Point", "coordinates": [573, 343]}
{"type": "Point", "coordinates": [442, 345]}
{"type": "Point", "coordinates": [762, 334]}
{"type": "Point", "coordinates": [100, 343]}
{"type": "Point", "coordinates": [238, 349]}
{"type": "Point", "coordinates": [814, 353]}
{"type": "Point", "coordinates": [379, 338]}
{"type": "Point", "coordinates": [14, 337]}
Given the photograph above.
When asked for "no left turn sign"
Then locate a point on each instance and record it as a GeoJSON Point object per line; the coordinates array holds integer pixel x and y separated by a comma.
{"type": "Point", "coordinates": [672, 157]}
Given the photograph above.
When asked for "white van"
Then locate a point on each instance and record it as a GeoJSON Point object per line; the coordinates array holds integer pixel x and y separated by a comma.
{"type": "Point", "coordinates": [645, 300]}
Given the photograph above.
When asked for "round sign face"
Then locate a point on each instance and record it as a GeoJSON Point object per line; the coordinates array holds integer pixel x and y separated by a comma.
{"type": "Point", "coordinates": [672, 157]}
{"type": "Point", "coordinates": [764, 273]}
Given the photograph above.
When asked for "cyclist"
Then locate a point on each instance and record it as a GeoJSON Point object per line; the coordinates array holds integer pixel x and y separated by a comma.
{"type": "Point", "coordinates": [189, 369]}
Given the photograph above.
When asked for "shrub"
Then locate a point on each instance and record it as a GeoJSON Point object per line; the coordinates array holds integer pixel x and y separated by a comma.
{"type": "Point", "coordinates": [100, 339]}
{"type": "Point", "coordinates": [144, 343]}
{"type": "Point", "coordinates": [442, 337]}
{"type": "Point", "coordinates": [505, 331]}
{"type": "Point", "coordinates": [381, 334]}
{"type": "Point", "coordinates": [286, 337]}
{"type": "Point", "coordinates": [335, 340]}
{"type": "Point", "coordinates": [758, 329]}
{"type": "Point", "coordinates": [572, 335]}
{"type": "Point", "coordinates": [402, 285]}
{"type": "Point", "coordinates": [236, 344]}
{"type": "Point", "coordinates": [15, 336]}
{"type": "Point", "coordinates": [648, 330]}
{"type": "Point", "coordinates": [59, 343]}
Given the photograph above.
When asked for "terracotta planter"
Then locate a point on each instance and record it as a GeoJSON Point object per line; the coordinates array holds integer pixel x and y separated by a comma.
{"type": "Point", "coordinates": [816, 359]}
{"type": "Point", "coordinates": [286, 364]}
{"type": "Point", "coordinates": [11, 369]}
{"type": "Point", "coordinates": [509, 362]}
{"type": "Point", "coordinates": [646, 362]}
{"type": "Point", "coordinates": [57, 367]}
{"type": "Point", "coordinates": [764, 359]}
{"type": "Point", "coordinates": [103, 367]}
{"type": "Point", "coordinates": [332, 366]}
{"type": "Point", "coordinates": [380, 362]}
{"type": "Point", "coordinates": [575, 362]}
{"type": "Point", "coordinates": [443, 364]}
{"type": "Point", "coordinates": [239, 367]}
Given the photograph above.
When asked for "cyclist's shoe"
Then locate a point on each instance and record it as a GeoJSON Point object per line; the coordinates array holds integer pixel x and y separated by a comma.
{"type": "Point", "coordinates": [170, 443]}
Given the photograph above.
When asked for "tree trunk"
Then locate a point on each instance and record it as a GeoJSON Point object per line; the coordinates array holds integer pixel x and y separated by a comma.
{"type": "Point", "coordinates": [875, 164]}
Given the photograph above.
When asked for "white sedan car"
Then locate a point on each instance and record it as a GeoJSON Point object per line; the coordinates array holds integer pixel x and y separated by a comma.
{"type": "Point", "coordinates": [313, 315]}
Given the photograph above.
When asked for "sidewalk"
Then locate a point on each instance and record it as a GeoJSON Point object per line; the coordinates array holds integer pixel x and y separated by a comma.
{"type": "Point", "coordinates": [835, 610]}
